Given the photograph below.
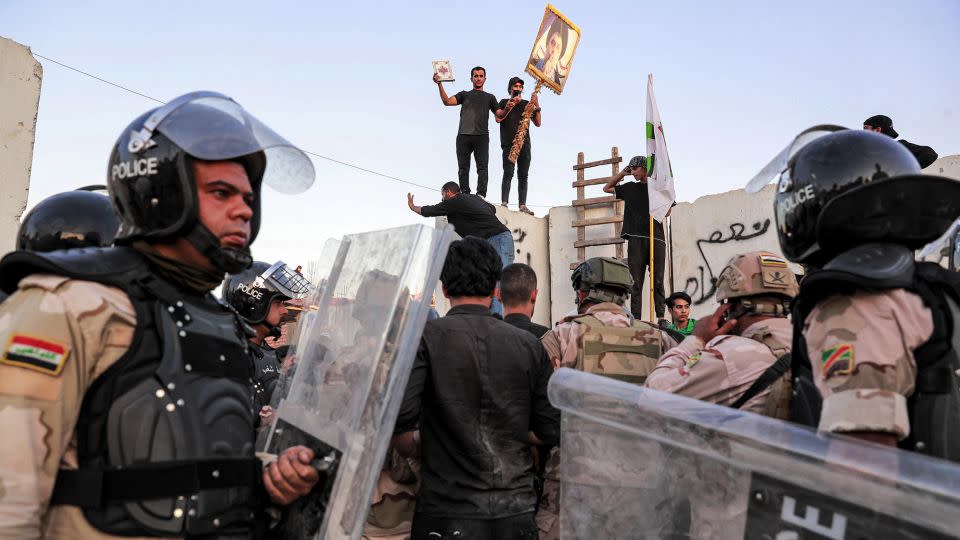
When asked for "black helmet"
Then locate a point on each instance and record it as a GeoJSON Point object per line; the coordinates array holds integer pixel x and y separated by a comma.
{"type": "Point", "coordinates": [839, 188]}
{"type": "Point", "coordinates": [250, 292]}
{"type": "Point", "coordinates": [151, 180]}
{"type": "Point", "coordinates": [69, 220]}
{"type": "Point", "coordinates": [605, 278]}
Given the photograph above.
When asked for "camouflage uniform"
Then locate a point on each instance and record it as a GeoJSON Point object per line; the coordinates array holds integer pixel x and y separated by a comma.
{"type": "Point", "coordinates": [861, 348]}
{"type": "Point", "coordinates": [563, 345]}
{"type": "Point", "coordinates": [394, 499]}
{"type": "Point", "coordinates": [92, 325]}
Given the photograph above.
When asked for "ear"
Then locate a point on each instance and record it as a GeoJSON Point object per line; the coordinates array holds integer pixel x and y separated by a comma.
{"type": "Point", "coordinates": [444, 289]}
{"type": "Point", "coordinates": [533, 297]}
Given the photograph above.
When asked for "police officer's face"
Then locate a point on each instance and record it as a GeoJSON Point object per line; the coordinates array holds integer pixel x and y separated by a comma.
{"type": "Point", "coordinates": [226, 199]}
{"type": "Point", "coordinates": [278, 310]}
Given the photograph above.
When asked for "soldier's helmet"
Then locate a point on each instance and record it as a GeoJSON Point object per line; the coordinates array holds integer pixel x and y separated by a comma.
{"type": "Point", "coordinates": [757, 273]}
{"type": "Point", "coordinates": [69, 220]}
{"type": "Point", "coordinates": [151, 180]}
{"type": "Point", "coordinates": [605, 278]}
{"type": "Point", "coordinates": [250, 292]}
{"type": "Point", "coordinates": [838, 188]}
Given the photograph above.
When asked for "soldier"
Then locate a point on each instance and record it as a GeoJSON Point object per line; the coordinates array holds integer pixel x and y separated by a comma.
{"type": "Point", "coordinates": [875, 327]}
{"type": "Point", "coordinates": [259, 294]}
{"type": "Point", "coordinates": [68, 220]}
{"type": "Point", "coordinates": [125, 397]}
{"type": "Point", "coordinates": [745, 337]}
{"type": "Point", "coordinates": [602, 338]}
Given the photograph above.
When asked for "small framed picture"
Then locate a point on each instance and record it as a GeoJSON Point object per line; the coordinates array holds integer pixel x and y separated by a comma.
{"type": "Point", "coordinates": [553, 50]}
{"type": "Point", "coordinates": [443, 70]}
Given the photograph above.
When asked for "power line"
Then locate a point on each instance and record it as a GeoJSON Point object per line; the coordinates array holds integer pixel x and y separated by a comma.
{"type": "Point", "coordinates": [321, 156]}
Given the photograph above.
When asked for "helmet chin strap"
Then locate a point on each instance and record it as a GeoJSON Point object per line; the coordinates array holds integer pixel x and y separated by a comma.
{"type": "Point", "coordinates": [229, 260]}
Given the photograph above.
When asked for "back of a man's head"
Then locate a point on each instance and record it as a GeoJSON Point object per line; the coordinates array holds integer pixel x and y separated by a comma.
{"type": "Point", "coordinates": [517, 283]}
{"type": "Point", "coordinates": [452, 187]}
{"type": "Point", "coordinates": [472, 268]}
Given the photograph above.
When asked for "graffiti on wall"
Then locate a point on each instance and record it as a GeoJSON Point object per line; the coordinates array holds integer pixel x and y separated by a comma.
{"type": "Point", "coordinates": [702, 286]}
{"type": "Point", "coordinates": [519, 235]}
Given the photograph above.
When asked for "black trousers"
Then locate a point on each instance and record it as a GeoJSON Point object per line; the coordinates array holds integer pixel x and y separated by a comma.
{"type": "Point", "coordinates": [479, 146]}
{"type": "Point", "coordinates": [522, 166]}
{"type": "Point", "coordinates": [638, 258]}
{"type": "Point", "coordinates": [521, 527]}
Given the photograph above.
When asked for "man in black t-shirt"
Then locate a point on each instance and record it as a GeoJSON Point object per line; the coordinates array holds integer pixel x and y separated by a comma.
{"type": "Point", "coordinates": [509, 114]}
{"type": "Point", "coordinates": [473, 136]}
{"type": "Point", "coordinates": [883, 124]}
{"type": "Point", "coordinates": [636, 231]}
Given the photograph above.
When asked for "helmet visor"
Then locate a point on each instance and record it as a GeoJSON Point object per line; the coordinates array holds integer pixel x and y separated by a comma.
{"type": "Point", "coordinates": [285, 281]}
{"type": "Point", "coordinates": [780, 162]}
{"type": "Point", "coordinates": [213, 127]}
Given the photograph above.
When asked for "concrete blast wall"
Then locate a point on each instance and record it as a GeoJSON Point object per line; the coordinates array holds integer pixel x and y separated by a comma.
{"type": "Point", "coordinates": [20, 78]}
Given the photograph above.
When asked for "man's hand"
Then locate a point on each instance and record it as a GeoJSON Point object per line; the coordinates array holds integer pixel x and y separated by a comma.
{"type": "Point", "coordinates": [291, 476]}
{"type": "Point", "coordinates": [713, 326]}
{"type": "Point", "coordinates": [410, 204]}
{"type": "Point", "coordinates": [535, 99]}
{"type": "Point", "coordinates": [436, 78]}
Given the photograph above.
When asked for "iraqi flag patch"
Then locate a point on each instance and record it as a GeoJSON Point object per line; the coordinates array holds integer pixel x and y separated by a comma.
{"type": "Point", "coordinates": [837, 360]}
{"type": "Point", "coordinates": [37, 354]}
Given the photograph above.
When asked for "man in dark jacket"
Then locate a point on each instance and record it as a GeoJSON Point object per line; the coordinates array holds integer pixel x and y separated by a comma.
{"type": "Point", "coordinates": [518, 292]}
{"type": "Point", "coordinates": [883, 124]}
{"type": "Point", "coordinates": [478, 392]}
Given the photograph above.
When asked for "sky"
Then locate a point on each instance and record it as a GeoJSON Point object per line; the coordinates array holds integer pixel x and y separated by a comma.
{"type": "Point", "coordinates": [735, 81]}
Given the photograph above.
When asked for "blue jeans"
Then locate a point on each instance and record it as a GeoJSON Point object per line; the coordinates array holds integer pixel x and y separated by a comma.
{"type": "Point", "coordinates": [503, 243]}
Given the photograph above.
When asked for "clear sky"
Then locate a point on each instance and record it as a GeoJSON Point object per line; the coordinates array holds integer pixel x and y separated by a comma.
{"type": "Point", "coordinates": [351, 80]}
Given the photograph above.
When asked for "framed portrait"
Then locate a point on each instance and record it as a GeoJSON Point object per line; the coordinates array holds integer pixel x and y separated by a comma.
{"type": "Point", "coordinates": [553, 50]}
{"type": "Point", "coordinates": [443, 70]}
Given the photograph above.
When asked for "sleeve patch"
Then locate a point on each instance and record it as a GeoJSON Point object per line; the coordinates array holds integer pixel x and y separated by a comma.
{"type": "Point", "coordinates": [40, 355]}
{"type": "Point", "coordinates": [837, 360]}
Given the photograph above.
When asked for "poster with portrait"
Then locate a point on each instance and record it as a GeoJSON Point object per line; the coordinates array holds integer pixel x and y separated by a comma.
{"type": "Point", "coordinates": [553, 50]}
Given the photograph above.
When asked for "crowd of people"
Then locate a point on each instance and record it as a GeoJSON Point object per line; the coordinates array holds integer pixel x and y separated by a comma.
{"type": "Point", "coordinates": [130, 397]}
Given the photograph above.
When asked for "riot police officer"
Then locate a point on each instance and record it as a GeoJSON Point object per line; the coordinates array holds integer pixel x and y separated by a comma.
{"type": "Point", "coordinates": [875, 328]}
{"type": "Point", "coordinates": [259, 294]}
{"type": "Point", "coordinates": [125, 398]}
{"type": "Point", "coordinates": [69, 220]}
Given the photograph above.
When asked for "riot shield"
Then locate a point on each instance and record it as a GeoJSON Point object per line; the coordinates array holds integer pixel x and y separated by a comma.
{"type": "Point", "coordinates": [346, 376]}
{"type": "Point", "coordinates": [638, 463]}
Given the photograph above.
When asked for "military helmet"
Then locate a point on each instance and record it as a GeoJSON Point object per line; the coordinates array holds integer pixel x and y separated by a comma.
{"type": "Point", "coordinates": [150, 175]}
{"type": "Point", "coordinates": [839, 188]}
{"type": "Point", "coordinates": [251, 292]}
{"type": "Point", "coordinates": [757, 273]}
{"type": "Point", "coordinates": [607, 279]}
{"type": "Point", "coordinates": [69, 220]}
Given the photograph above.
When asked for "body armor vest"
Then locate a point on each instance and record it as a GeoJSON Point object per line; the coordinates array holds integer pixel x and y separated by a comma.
{"type": "Point", "coordinates": [165, 436]}
{"type": "Point", "coordinates": [266, 374]}
{"type": "Point", "coordinates": [934, 407]}
{"type": "Point", "coordinates": [625, 353]}
{"type": "Point", "coordinates": [776, 377]}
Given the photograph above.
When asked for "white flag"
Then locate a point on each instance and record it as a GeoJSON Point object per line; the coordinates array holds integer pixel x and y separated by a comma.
{"type": "Point", "coordinates": [660, 183]}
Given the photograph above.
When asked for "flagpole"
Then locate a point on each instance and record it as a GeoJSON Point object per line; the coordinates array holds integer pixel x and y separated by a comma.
{"type": "Point", "coordinates": [652, 273]}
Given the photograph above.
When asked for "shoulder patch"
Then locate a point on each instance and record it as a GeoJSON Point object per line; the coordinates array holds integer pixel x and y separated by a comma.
{"type": "Point", "coordinates": [37, 354]}
{"type": "Point", "coordinates": [837, 360]}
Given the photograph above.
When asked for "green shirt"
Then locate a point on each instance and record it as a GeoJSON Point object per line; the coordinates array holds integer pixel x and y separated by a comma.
{"type": "Point", "coordinates": [687, 330]}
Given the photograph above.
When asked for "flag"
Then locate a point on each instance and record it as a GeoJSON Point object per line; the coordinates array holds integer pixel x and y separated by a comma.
{"type": "Point", "coordinates": [659, 171]}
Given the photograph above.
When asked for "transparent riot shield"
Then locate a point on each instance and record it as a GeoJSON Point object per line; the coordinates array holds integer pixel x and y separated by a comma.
{"type": "Point", "coordinates": [638, 463]}
{"type": "Point", "coordinates": [345, 377]}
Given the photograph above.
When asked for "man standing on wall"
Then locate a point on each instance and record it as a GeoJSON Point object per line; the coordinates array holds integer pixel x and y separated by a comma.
{"type": "Point", "coordinates": [509, 114]}
{"type": "Point", "coordinates": [636, 231]}
{"type": "Point", "coordinates": [473, 136]}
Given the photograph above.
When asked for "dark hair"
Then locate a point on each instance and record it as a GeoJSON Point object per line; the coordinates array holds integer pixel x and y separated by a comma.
{"type": "Point", "coordinates": [517, 283]}
{"type": "Point", "coordinates": [452, 187]}
{"type": "Point", "coordinates": [478, 68]}
{"type": "Point", "coordinates": [679, 295]}
{"type": "Point", "coordinates": [513, 81]}
{"type": "Point", "coordinates": [472, 268]}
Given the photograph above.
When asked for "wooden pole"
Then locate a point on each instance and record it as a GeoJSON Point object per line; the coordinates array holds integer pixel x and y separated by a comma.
{"type": "Point", "coordinates": [524, 126]}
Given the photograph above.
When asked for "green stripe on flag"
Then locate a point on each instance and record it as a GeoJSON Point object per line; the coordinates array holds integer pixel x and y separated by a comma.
{"type": "Point", "coordinates": [649, 131]}
{"type": "Point", "coordinates": [651, 159]}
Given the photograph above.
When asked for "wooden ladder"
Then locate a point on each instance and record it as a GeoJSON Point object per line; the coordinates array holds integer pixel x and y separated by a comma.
{"type": "Point", "coordinates": [582, 203]}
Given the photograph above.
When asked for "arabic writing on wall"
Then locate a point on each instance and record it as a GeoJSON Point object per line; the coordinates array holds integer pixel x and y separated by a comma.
{"type": "Point", "coordinates": [702, 286]}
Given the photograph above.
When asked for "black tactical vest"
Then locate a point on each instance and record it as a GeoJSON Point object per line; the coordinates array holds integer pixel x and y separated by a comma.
{"type": "Point", "coordinates": [934, 407]}
{"type": "Point", "coordinates": [267, 371]}
{"type": "Point", "coordinates": [166, 435]}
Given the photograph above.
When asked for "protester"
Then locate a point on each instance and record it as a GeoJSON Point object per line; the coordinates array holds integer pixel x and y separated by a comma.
{"type": "Point", "coordinates": [509, 114]}
{"type": "Point", "coordinates": [473, 136]}
{"type": "Point", "coordinates": [477, 391]}
{"type": "Point", "coordinates": [870, 322]}
{"type": "Point", "coordinates": [518, 293]}
{"type": "Point", "coordinates": [636, 231]}
{"type": "Point", "coordinates": [471, 216]}
{"type": "Point", "coordinates": [679, 305]}
{"type": "Point", "coordinates": [107, 389]}
{"type": "Point", "coordinates": [883, 124]}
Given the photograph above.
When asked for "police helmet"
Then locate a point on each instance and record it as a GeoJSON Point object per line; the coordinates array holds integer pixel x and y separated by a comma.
{"type": "Point", "coordinates": [150, 176]}
{"type": "Point", "coordinates": [839, 188]}
{"type": "Point", "coordinates": [69, 220]}
{"type": "Point", "coordinates": [606, 279]}
{"type": "Point", "coordinates": [252, 291]}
